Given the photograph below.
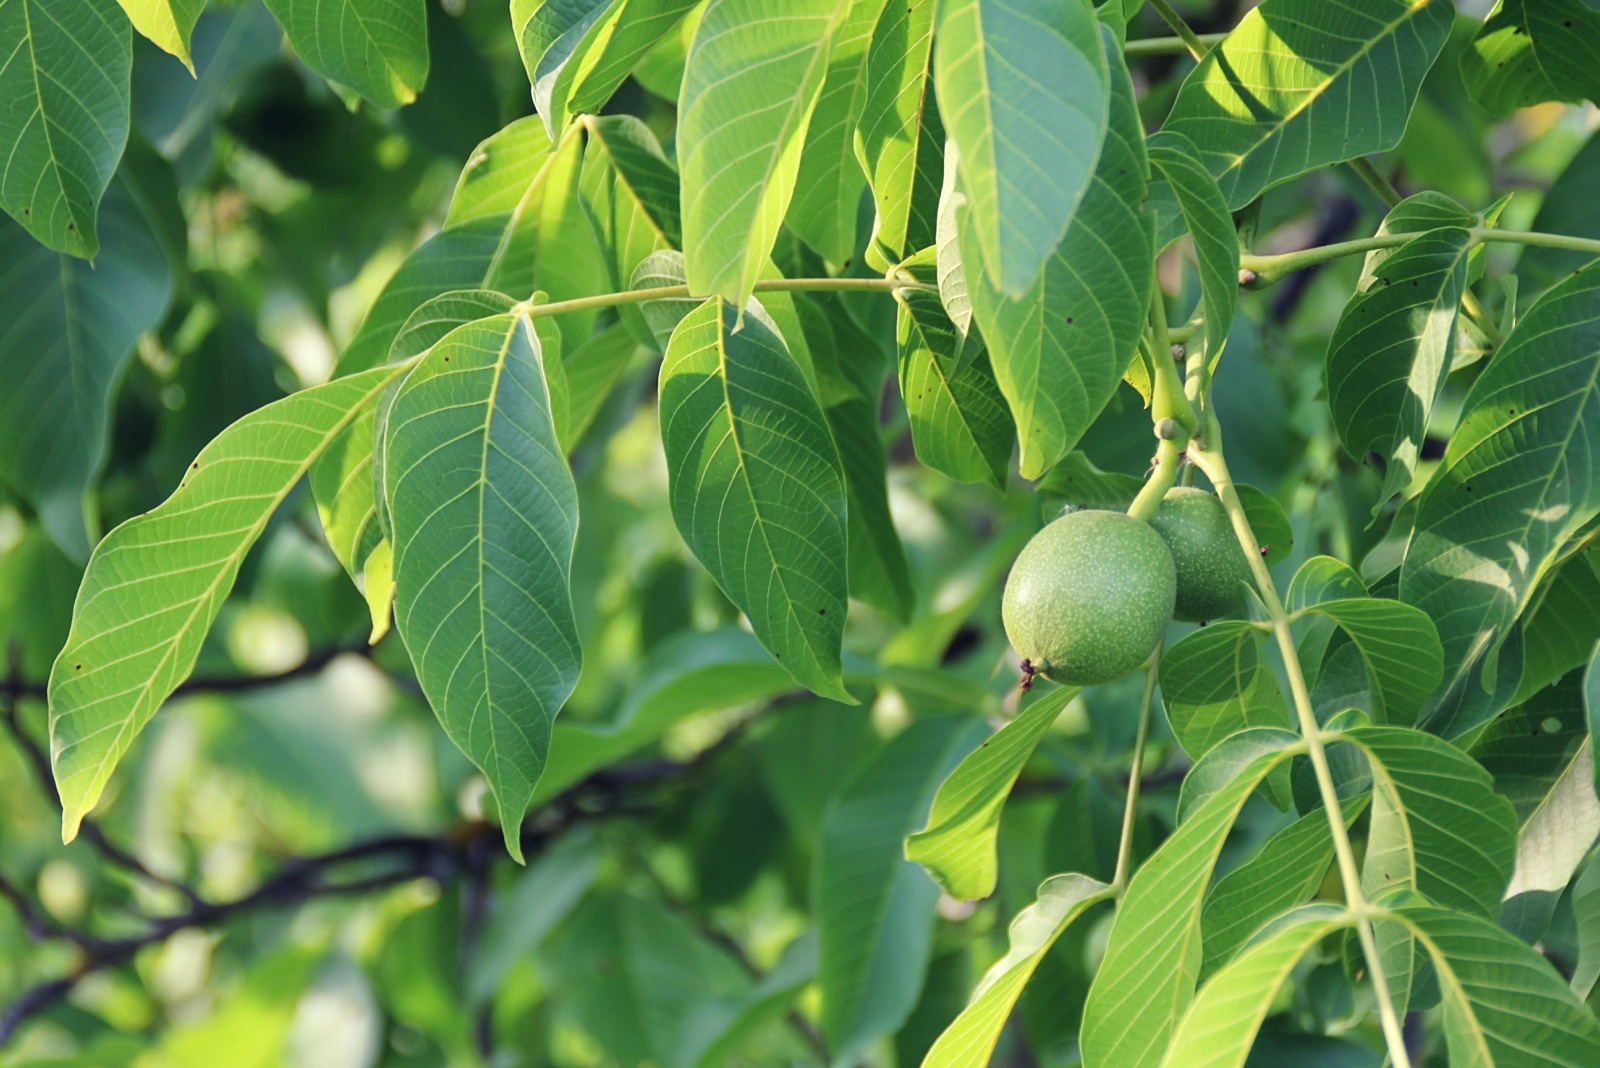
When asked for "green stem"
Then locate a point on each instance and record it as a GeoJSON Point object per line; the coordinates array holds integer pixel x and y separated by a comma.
{"type": "Point", "coordinates": [1191, 43]}
{"type": "Point", "coordinates": [1166, 46]}
{"type": "Point", "coordinates": [1211, 462]}
{"type": "Point", "coordinates": [1169, 457]}
{"type": "Point", "coordinates": [1130, 810]}
{"type": "Point", "coordinates": [775, 285]}
{"type": "Point", "coordinates": [1167, 397]}
{"type": "Point", "coordinates": [1269, 269]}
{"type": "Point", "coordinates": [1376, 181]}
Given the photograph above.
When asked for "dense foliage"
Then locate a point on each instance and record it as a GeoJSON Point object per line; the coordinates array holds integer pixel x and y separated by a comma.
{"type": "Point", "coordinates": [507, 577]}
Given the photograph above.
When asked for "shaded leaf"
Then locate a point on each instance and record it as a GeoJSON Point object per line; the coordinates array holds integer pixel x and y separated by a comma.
{"type": "Point", "coordinates": [379, 48]}
{"type": "Point", "coordinates": [1530, 51]}
{"type": "Point", "coordinates": [899, 140]}
{"type": "Point", "coordinates": [1214, 683]}
{"type": "Point", "coordinates": [1205, 213]}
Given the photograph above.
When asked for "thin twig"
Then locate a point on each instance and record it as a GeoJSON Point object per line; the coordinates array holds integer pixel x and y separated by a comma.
{"type": "Point", "coordinates": [1191, 42]}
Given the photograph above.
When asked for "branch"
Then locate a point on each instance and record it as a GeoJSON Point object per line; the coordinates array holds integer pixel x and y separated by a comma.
{"type": "Point", "coordinates": [1258, 271]}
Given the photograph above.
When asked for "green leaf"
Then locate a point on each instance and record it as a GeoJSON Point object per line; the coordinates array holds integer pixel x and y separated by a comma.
{"type": "Point", "coordinates": [1504, 1005]}
{"type": "Point", "coordinates": [577, 53]}
{"type": "Point", "coordinates": [1399, 649]}
{"type": "Point", "coordinates": [591, 370]}
{"type": "Point", "coordinates": [899, 139]}
{"type": "Point", "coordinates": [722, 1027]}
{"type": "Point", "coordinates": [828, 187]}
{"type": "Point", "coordinates": [37, 584]}
{"type": "Point", "coordinates": [1518, 479]}
{"type": "Point", "coordinates": [166, 23]}
{"type": "Point", "coordinates": [1300, 84]}
{"type": "Point", "coordinates": [1286, 871]}
{"type": "Point", "coordinates": [756, 486]}
{"type": "Point", "coordinates": [1153, 956]}
{"type": "Point", "coordinates": [631, 194]}
{"type": "Point", "coordinates": [959, 422]}
{"type": "Point", "coordinates": [64, 119]}
{"type": "Point", "coordinates": [379, 48]}
{"type": "Point", "coordinates": [1216, 244]}
{"type": "Point", "coordinates": [70, 329]}
{"type": "Point", "coordinates": [1569, 207]}
{"type": "Point", "coordinates": [958, 846]}
{"type": "Point", "coordinates": [1269, 522]}
{"type": "Point", "coordinates": [1024, 93]}
{"type": "Point", "coordinates": [1078, 482]}
{"type": "Point", "coordinates": [1530, 51]}
{"type": "Point", "coordinates": [954, 293]}
{"type": "Point", "coordinates": [1322, 578]}
{"type": "Point", "coordinates": [1221, 1025]}
{"type": "Point", "coordinates": [874, 908]}
{"type": "Point", "coordinates": [1390, 353]}
{"type": "Point", "coordinates": [500, 171]}
{"type": "Point", "coordinates": [1214, 683]}
{"type": "Point", "coordinates": [485, 516]}
{"type": "Point", "coordinates": [1437, 825]}
{"type": "Point", "coordinates": [1560, 628]}
{"type": "Point", "coordinates": [970, 1039]}
{"type": "Point", "coordinates": [753, 76]}
{"type": "Point", "coordinates": [1060, 350]}
{"type": "Point", "coordinates": [156, 583]}
{"type": "Point", "coordinates": [1586, 914]}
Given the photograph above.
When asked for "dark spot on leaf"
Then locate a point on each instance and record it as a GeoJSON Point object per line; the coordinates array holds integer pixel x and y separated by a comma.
{"type": "Point", "coordinates": [77, 667]}
{"type": "Point", "coordinates": [1069, 320]}
{"type": "Point", "coordinates": [822, 611]}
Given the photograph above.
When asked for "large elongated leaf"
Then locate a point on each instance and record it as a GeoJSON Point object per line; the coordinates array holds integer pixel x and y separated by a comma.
{"type": "Point", "coordinates": [1504, 1004]}
{"type": "Point", "coordinates": [1214, 683]}
{"type": "Point", "coordinates": [958, 845]}
{"type": "Point", "coordinates": [1059, 350]}
{"type": "Point", "coordinates": [756, 486]}
{"type": "Point", "coordinates": [752, 79]}
{"type": "Point", "coordinates": [1221, 1025]}
{"type": "Point", "coordinates": [485, 515]}
{"type": "Point", "coordinates": [1389, 355]}
{"type": "Point", "coordinates": [1153, 956]}
{"type": "Point", "coordinates": [899, 139]}
{"type": "Point", "coordinates": [64, 120]}
{"type": "Point", "coordinates": [971, 1037]}
{"type": "Point", "coordinates": [1530, 51]}
{"type": "Point", "coordinates": [69, 330]}
{"type": "Point", "coordinates": [379, 48]}
{"type": "Point", "coordinates": [828, 185]}
{"type": "Point", "coordinates": [1205, 213]}
{"type": "Point", "coordinates": [959, 422]}
{"type": "Point", "coordinates": [156, 583]}
{"type": "Point", "coordinates": [576, 54]}
{"type": "Point", "coordinates": [874, 908]}
{"type": "Point", "coordinates": [1300, 84]}
{"type": "Point", "coordinates": [1519, 477]}
{"type": "Point", "coordinates": [1025, 95]}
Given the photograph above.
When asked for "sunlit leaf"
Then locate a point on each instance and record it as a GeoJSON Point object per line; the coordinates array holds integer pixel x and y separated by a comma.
{"type": "Point", "coordinates": [899, 140]}
{"type": "Point", "coordinates": [1205, 212]}
{"type": "Point", "coordinates": [167, 23]}
{"type": "Point", "coordinates": [1214, 682]}
{"type": "Point", "coordinates": [1530, 51]}
{"type": "Point", "coordinates": [379, 48]}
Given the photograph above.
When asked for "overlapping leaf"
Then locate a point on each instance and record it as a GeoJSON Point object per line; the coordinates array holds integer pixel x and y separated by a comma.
{"type": "Point", "coordinates": [752, 79]}
{"type": "Point", "coordinates": [379, 48]}
{"type": "Point", "coordinates": [1530, 51]}
{"type": "Point", "coordinates": [484, 513]}
{"type": "Point", "coordinates": [899, 139]}
{"type": "Point", "coordinates": [1216, 245]}
{"type": "Point", "coordinates": [1300, 84]}
{"type": "Point", "coordinates": [1519, 477]}
{"type": "Point", "coordinates": [156, 583]}
{"type": "Point", "coordinates": [1214, 682]}
{"type": "Point", "coordinates": [958, 845]}
{"type": "Point", "coordinates": [756, 486]}
{"type": "Point", "coordinates": [1024, 93]}
{"type": "Point", "coordinates": [1059, 350]}
{"type": "Point", "coordinates": [64, 80]}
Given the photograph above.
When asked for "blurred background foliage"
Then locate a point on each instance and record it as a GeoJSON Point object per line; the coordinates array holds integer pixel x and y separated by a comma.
{"type": "Point", "coordinates": [670, 913]}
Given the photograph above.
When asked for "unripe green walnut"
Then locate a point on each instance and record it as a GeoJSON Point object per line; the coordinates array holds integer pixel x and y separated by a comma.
{"type": "Point", "coordinates": [1090, 597]}
{"type": "Point", "coordinates": [1205, 552]}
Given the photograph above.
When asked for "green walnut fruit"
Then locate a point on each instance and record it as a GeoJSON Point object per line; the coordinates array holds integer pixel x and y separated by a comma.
{"type": "Point", "coordinates": [1089, 597]}
{"type": "Point", "coordinates": [1205, 551]}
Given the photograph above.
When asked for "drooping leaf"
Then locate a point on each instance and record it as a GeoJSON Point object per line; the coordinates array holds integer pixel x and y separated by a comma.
{"type": "Point", "coordinates": [1214, 683]}
{"type": "Point", "coordinates": [1153, 956]}
{"type": "Point", "coordinates": [71, 327]}
{"type": "Point", "coordinates": [756, 486]}
{"type": "Point", "coordinates": [1504, 1004]}
{"type": "Point", "coordinates": [1561, 626]}
{"type": "Point", "coordinates": [1299, 84]}
{"type": "Point", "coordinates": [1518, 478]}
{"type": "Point", "coordinates": [576, 54]}
{"type": "Point", "coordinates": [899, 139]}
{"type": "Point", "coordinates": [156, 583]}
{"type": "Point", "coordinates": [829, 182]}
{"type": "Point", "coordinates": [1025, 94]}
{"type": "Point", "coordinates": [65, 120]}
{"type": "Point", "coordinates": [485, 515]}
{"type": "Point", "coordinates": [958, 845]}
{"type": "Point", "coordinates": [971, 1037]}
{"type": "Point", "coordinates": [874, 908]}
{"type": "Point", "coordinates": [752, 79]}
{"type": "Point", "coordinates": [379, 48]}
{"type": "Point", "coordinates": [1530, 51]}
{"type": "Point", "coordinates": [167, 23]}
{"type": "Point", "coordinates": [1220, 1027]}
{"type": "Point", "coordinates": [1205, 213]}
{"type": "Point", "coordinates": [1059, 350]}
{"type": "Point", "coordinates": [959, 422]}
{"type": "Point", "coordinates": [1389, 355]}
{"type": "Point", "coordinates": [1399, 649]}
